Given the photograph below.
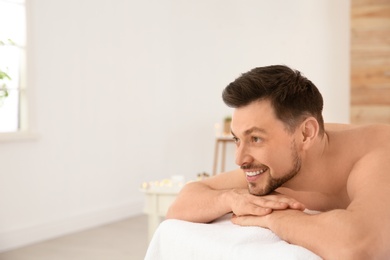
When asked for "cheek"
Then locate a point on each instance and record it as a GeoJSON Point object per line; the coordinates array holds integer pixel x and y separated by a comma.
{"type": "Point", "coordinates": [278, 161]}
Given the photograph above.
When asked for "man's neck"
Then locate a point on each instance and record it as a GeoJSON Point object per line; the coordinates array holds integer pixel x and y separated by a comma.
{"type": "Point", "coordinates": [314, 174]}
{"type": "Point", "coordinates": [321, 182]}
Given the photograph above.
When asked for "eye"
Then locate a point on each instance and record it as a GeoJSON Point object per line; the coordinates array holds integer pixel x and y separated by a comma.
{"type": "Point", "coordinates": [256, 139]}
{"type": "Point", "coordinates": [235, 139]}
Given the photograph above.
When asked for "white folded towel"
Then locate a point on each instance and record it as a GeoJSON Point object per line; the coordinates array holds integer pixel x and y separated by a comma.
{"type": "Point", "coordinates": [181, 240]}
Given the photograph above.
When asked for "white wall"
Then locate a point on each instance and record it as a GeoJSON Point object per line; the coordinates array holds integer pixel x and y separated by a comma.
{"type": "Point", "coordinates": [123, 92]}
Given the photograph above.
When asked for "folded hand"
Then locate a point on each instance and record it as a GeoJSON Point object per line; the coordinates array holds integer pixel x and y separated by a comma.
{"type": "Point", "coordinates": [245, 204]}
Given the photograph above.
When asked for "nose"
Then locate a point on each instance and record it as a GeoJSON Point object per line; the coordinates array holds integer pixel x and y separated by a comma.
{"type": "Point", "coordinates": [243, 156]}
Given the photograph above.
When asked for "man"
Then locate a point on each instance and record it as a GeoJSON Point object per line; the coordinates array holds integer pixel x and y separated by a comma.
{"type": "Point", "coordinates": [290, 161]}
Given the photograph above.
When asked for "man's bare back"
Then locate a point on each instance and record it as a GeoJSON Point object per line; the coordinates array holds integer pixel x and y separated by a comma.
{"type": "Point", "coordinates": [289, 160]}
{"type": "Point", "coordinates": [347, 144]}
{"type": "Point", "coordinates": [344, 177]}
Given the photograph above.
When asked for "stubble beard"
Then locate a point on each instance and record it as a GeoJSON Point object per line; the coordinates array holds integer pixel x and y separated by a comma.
{"type": "Point", "coordinates": [275, 183]}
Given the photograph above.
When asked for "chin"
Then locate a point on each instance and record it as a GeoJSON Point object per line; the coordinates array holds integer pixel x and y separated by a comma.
{"type": "Point", "coordinates": [256, 190]}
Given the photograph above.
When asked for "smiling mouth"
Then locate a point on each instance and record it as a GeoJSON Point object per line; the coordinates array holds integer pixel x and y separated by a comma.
{"type": "Point", "coordinates": [255, 173]}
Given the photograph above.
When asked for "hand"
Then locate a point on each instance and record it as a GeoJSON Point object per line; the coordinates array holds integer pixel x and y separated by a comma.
{"type": "Point", "coordinates": [259, 221]}
{"type": "Point", "coordinates": [264, 221]}
{"type": "Point", "coordinates": [245, 204]}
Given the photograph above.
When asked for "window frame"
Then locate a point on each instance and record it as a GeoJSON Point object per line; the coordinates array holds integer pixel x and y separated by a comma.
{"type": "Point", "coordinates": [24, 131]}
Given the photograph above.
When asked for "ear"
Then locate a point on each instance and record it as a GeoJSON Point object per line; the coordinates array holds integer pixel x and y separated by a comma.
{"type": "Point", "coordinates": [308, 132]}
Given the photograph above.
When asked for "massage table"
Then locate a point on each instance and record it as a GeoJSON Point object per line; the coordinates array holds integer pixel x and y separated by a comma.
{"type": "Point", "coordinates": [221, 239]}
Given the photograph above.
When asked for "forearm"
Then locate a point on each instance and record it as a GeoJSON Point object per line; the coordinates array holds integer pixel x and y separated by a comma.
{"type": "Point", "coordinates": [199, 203]}
{"type": "Point", "coordinates": [332, 235]}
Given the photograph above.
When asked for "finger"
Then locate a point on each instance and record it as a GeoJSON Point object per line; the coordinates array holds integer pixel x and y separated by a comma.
{"type": "Point", "coordinates": [292, 203]}
{"type": "Point", "coordinates": [260, 211]}
{"type": "Point", "coordinates": [270, 203]}
{"type": "Point", "coordinates": [280, 202]}
{"type": "Point", "coordinates": [248, 221]}
{"type": "Point", "coordinates": [252, 209]}
{"type": "Point", "coordinates": [297, 205]}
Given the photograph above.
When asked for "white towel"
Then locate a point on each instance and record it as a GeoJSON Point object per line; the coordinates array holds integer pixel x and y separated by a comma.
{"type": "Point", "coordinates": [181, 240]}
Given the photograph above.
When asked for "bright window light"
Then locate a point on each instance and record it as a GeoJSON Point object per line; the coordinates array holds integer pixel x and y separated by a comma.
{"type": "Point", "coordinates": [12, 46]}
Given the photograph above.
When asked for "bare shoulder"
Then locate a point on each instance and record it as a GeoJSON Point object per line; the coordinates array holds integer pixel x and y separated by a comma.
{"type": "Point", "coordinates": [369, 137]}
{"type": "Point", "coordinates": [369, 178]}
{"type": "Point", "coordinates": [370, 174]}
{"type": "Point", "coordinates": [338, 127]}
{"type": "Point", "coordinates": [365, 151]}
{"type": "Point", "coordinates": [372, 143]}
{"type": "Point", "coordinates": [368, 186]}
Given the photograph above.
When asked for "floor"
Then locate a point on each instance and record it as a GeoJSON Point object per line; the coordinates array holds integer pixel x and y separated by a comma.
{"type": "Point", "coordinates": [123, 240]}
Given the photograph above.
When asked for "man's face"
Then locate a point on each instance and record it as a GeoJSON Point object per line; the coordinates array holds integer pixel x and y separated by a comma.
{"type": "Point", "coordinates": [266, 151]}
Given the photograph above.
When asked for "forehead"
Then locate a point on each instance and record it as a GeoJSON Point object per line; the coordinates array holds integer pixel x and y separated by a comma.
{"type": "Point", "coordinates": [258, 114]}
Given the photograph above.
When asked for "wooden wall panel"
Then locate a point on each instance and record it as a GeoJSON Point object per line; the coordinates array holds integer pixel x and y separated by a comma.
{"type": "Point", "coordinates": [370, 61]}
{"type": "Point", "coordinates": [370, 96]}
{"type": "Point", "coordinates": [368, 114]}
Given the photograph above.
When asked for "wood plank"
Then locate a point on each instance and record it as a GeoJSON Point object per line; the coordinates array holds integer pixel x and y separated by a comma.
{"type": "Point", "coordinates": [373, 10]}
{"type": "Point", "coordinates": [370, 96]}
{"type": "Point", "coordinates": [370, 61]}
{"type": "Point", "coordinates": [357, 3]}
{"type": "Point", "coordinates": [370, 114]}
{"type": "Point", "coordinates": [370, 17]}
{"type": "Point", "coordinates": [370, 36]}
{"type": "Point", "coordinates": [376, 76]}
{"type": "Point", "coordinates": [367, 55]}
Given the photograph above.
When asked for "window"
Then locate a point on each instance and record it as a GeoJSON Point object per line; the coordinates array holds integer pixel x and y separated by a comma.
{"type": "Point", "coordinates": [12, 47]}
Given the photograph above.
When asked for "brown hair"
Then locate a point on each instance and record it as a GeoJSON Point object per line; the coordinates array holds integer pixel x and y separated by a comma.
{"type": "Point", "coordinates": [293, 96]}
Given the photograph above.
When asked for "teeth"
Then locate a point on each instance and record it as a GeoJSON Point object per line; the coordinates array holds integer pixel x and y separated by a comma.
{"type": "Point", "coordinates": [255, 173]}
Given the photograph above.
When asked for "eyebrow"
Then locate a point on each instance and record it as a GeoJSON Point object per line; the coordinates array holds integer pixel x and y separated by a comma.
{"type": "Point", "coordinates": [252, 130]}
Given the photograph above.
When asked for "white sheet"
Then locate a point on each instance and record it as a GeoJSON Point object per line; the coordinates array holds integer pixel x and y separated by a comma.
{"type": "Point", "coordinates": [181, 240]}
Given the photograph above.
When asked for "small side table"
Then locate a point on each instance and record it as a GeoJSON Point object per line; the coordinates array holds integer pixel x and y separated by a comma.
{"type": "Point", "coordinates": [157, 203]}
{"type": "Point", "coordinates": [221, 140]}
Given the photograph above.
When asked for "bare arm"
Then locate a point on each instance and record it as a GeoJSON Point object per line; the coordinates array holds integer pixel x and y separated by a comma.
{"type": "Point", "coordinates": [331, 235]}
{"type": "Point", "coordinates": [207, 200]}
{"type": "Point", "coordinates": [361, 231]}
{"type": "Point", "coordinates": [197, 202]}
